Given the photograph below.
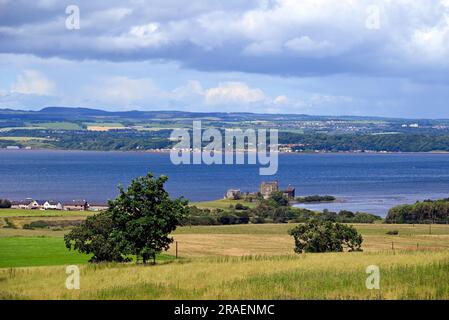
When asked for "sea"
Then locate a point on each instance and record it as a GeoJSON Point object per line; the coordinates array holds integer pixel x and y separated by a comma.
{"type": "Point", "coordinates": [370, 183]}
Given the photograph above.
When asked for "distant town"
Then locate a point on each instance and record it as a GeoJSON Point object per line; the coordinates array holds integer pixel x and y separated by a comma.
{"type": "Point", "coordinates": [98, 130]}
{"type": "Point", "coordinates": [75, 205]}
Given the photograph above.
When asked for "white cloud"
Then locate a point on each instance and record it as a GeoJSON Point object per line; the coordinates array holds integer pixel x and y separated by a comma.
{"type": "Point", "coordinates": [431, 44]}
{"type": "Point", "coordinates": [145, 30]}
{"type": "Point", "coordinates": [122, 91]}
{"type": "Point", "coordinates": [201, 34]}
{"type": "Point", "coordinates": [233, 92]}
{"type": "Point", "coordinates": [307, 46]}
{"type": "Point", "coordinates": [281, 100]}
{"type": "Point", "coordinates": [263, 48]}
{"type": "Point", "coordinates": [32, 82]}
{"type": "Point", "coordinates": [192, 88]}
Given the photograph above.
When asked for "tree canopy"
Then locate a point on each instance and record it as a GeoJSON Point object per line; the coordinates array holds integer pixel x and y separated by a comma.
{"type": "Point", "coordinates": [138, 222]}
{"type": "Point", "coordinates": [428, 211]}
{"type": "Point", "coordinates": [319, 236]}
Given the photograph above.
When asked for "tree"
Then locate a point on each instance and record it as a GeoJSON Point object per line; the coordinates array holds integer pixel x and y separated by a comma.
{"type": "Point", "coordinates": [138, 222]}
{"type": "Point", "coordinates": [144, 216]}
{"type": "Point", "coordinates": [316, 236]}
{"type": "Point", "coordinates": [93, 236]}
{"type": "Point", "coordinates": [5, 204]}
{"type": "Point", "coordinates": [279, 198]}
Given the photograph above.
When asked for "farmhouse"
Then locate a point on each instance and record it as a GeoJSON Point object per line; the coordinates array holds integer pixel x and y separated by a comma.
{"type": "Point", "coordinates": [76, 205]}
{"type": "Point", "coordinates": [25, 204]}
{"type": "Point", "coordinates": [52, 205]}
{"type": "Point", "coordinates": [233, 194]}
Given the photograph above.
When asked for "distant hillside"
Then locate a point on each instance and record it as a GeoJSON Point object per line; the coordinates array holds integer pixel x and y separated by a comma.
{"type": "Point", "coordinates": [80, 113]}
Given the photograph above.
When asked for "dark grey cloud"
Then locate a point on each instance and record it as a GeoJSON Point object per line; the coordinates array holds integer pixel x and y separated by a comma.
{"type": "Point", "coordinates": [288, 38]}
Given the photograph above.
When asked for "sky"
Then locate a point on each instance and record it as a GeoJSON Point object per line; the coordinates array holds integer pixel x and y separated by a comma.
{"type": "Point", "coordinates": [322, 57]}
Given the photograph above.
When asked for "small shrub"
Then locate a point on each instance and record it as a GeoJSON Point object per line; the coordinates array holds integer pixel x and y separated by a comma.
{"type": "Point", "coordinates": [393, 232]}
{"type": "Point", "coordinates": [240, 206]}
{"type": "Point", "coordinates": [9, 224]}
{"type": "Point", "coordinates": [36, 224]}
{"type": "Point", "coordinates": [257, 220]}
{"type": "Point", "coordinates": [5, 204]}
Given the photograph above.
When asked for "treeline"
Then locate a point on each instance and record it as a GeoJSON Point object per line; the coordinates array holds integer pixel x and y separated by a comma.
{"type": "Point", "coordinates": [267, 212]}
{"type": "Point", "coordinates": [316, 198]}
{"type": "Point", "coordinates": [379, 142]}
{"type": "Point", "coordinates": [428, 211]}
{"type": "Point", "coordinates": [144, 140]}
{"type": "Point", "coordinates": [120, 140]}
{"type": "Point", "coordinates": [5, 204]}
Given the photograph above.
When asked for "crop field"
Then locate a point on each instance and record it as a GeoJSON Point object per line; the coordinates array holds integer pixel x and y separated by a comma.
{"type": "Point", "coordinates": [58, 125]}
{"type": "Point", "coordinates": [233, 262]}
{"type": "Point", "coordinates": [404, 275]}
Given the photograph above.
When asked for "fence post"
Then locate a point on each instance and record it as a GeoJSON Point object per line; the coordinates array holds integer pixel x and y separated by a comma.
{"type": "Point", "coordinates": [176, 249]}
{"type": "Point", "coordinates": [417, 246]}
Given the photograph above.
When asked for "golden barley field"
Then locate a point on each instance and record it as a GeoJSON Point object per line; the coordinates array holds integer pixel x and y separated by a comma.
{"type": "Point", "coordinates": [234, 262]}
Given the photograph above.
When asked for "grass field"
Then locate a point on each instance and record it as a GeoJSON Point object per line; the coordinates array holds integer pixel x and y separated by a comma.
{"type": "Point", "coordinates": [37, 251]}
{"type": "Point", "coordinates": [221, 204]}
{"type": "Point", "coordinates": [23, 139]}
{"type": "Point", "coordinates": [40, 251]}
{"type": "Point", "coordinates": [234, 262]}
{"type": "Point", "coordinates": [404, 275]}
{"type": "Point", "coordinates": [59, 125]}
{"type": "Point", "coordinates": [42, 213]}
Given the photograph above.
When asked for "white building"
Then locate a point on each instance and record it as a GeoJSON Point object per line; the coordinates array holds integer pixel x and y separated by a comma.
{"type": "Point", "coordinates": [26, 204]}
{"type": "Point", "coordinates": [52, 205]}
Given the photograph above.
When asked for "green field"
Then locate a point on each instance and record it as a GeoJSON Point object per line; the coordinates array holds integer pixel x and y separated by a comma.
{"type": "Point", "coordinates": [233, 262]}
{"type": "Point", "coordinates": [23, 139]}
{"type": "Point", "coordinates": [58, 125]}
{"type": "Point", "coordinates": [36, 251]}
{"type": "Point", "coordinates": [221, 204]}
{"type": "Point", "coordinates": [41, 213]}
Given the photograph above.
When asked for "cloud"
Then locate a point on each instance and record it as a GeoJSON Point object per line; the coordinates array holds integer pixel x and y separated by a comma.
{"type": "Point", "coordinates": [233, 93]}
{"type": "Point", "coordinates": [132, 93]}
{"type": "Point", "coordinates": [306, 46]}
{"type": "Point", "coordinates": [193, 88]}
{"type": "Point", "coordinates": [278, 37]}
{"type": "Point", "coordinates": [281, 100]}
{"type": "Point", "coordinates": [32, 82]}
{"type": "Point", "coordinates": [314, 56]}
{"type": "Point", "coordinates": [121, 91]}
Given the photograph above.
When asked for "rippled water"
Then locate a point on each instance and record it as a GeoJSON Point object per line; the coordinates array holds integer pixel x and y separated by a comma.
{"type": "Point", "coordinates": [365, 182]}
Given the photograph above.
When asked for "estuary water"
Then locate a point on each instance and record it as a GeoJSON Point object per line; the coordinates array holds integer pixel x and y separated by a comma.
{"type": "Point", "coordinates": [362, 182]}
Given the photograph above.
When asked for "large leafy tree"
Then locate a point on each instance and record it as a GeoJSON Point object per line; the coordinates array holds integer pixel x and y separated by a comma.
{"type": "Point", "coordinates": [138, 222]}
{"type": "Point", "coordinates": [144, 215]}
{"type": "Point", "coordinates": [93, 237]}
{"type": "Point", "coordinates": [319, 236]}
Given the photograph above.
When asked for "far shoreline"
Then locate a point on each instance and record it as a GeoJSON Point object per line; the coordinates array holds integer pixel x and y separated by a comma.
{"type": "Point", "coordinates": [280, 152]}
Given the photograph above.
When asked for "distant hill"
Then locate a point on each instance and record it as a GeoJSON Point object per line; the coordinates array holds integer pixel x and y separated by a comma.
{"type": "Point", "coordinates": [82, 113]}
